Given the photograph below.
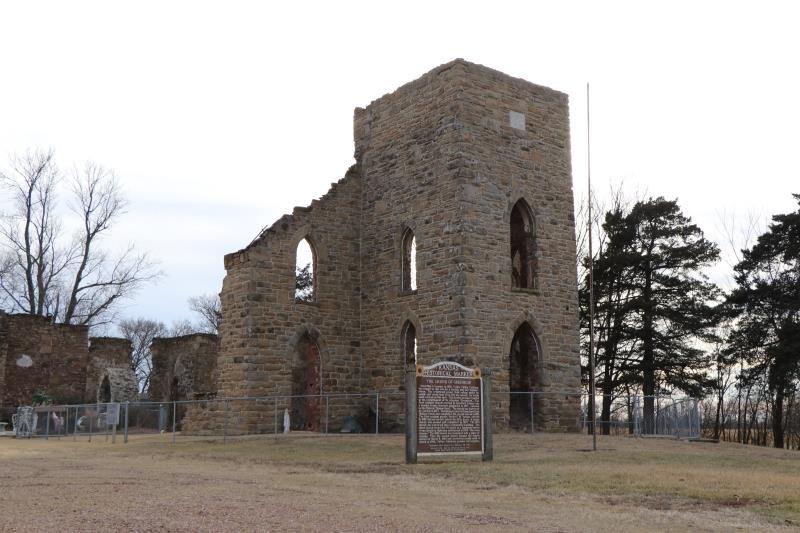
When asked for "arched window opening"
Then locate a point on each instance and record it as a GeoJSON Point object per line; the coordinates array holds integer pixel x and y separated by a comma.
{"type": "Point", "coordinates": [524, 376]}
{"type": "Point", "coordinates": [523, 247]}
{"type": "Point", "coordinates": [305, 266]}
{"type": "Point", "coordinates": [409, 282]}
{"type": "Point", "coordinates": [409, 346]}
{"type": "Point", "coordinates": [306, 386]}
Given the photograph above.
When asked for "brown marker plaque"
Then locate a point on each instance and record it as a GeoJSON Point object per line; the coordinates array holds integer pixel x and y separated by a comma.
{"type": "Point", "coordinates": [449, 410]}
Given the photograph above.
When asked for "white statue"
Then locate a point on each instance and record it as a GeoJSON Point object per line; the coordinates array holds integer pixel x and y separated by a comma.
{"type": "Point", "coordinates": [286, 421]}
{"type": "Point", "coordinates": [58, 422]}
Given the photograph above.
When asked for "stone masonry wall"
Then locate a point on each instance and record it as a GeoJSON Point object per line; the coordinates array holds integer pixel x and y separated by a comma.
{"type": "Point", "coordinates": [184, 368]}
{"type": "Point", "coordinates": [37, 355]}
{"type": "Point", "coordinates": [42, 356]}
{"type": "Point", "coordinates": [122, 386]}
{"type": "Point", "coordinates": [262, 323]}
{"type": "Point", "coordinates": [439, 157]}
{"type": "Point", "coordinates": [410, 149]}
{"type": "Point", "coordinates": [4, 413]}
{"type": "Point", "coordinates": [505, 164]}
{"type": "Point", "coordinates": [104, 353]}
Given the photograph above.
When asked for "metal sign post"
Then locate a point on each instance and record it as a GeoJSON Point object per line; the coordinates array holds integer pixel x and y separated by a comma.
{"type": "Point", "coordinates": [592, 406]}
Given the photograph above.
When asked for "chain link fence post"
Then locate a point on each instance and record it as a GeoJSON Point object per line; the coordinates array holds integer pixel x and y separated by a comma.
{"type": "Point", "coordinates": [530, 394]}
{"type": "Point", "coordinates": [125, 438]}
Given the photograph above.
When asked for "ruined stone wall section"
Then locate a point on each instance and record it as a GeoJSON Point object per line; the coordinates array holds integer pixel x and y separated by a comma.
{"type": "Point", "coordinates": [122, 385]}
{"type": "Point", "coordinates": [261, 319]}
{"type": "Point", "coordinates": [510, 163]}
{"type": "Point", "coordinates": [162, 360]}
{"type": "Point", "coordinates": [184, 368]}
{"type": "Point", "coordinates": [3, 359]}
{"type": "Point", "coordinates": [105, 353]}
{"type": "Point", "coordinates": [114, 350]}
{"type": "Point", "coordinates": [42, 356]}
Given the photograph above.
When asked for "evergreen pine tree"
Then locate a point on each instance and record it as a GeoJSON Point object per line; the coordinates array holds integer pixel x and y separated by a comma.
{"type": "Point", "coordinates": [654, 304]}
{"type": "Point", "coordinates": [767, 304]}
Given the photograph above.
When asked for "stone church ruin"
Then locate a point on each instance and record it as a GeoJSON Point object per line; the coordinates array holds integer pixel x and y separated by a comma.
{"type": "Point", "coordinates": [451, 238]}
{"type": "Point", "coordinates": [60, 360]}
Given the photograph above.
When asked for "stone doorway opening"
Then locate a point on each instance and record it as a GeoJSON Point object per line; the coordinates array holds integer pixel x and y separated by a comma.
{"type": "Point", "coordinates": [524, 376]}
{"type": "Point", "coordinates": [306, 386]}
{"type": "Point", "coordinates": [104, 394]}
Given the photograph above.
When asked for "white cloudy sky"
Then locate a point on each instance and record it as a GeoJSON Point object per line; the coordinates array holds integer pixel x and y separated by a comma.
{"type": "Point", "coordinates": [219, 117]}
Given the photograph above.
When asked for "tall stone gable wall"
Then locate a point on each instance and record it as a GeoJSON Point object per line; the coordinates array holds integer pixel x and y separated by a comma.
{"type": "Point", "coordinates": [437, 156]}
{"type": "Point", "coordinates": [262, 321]}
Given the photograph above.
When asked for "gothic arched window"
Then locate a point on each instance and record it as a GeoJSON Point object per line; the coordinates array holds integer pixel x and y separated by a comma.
{"type": "Point", "coordinates": [523, 247]}
{"type": "Point", "coordinates": [305, 283]}
{"type": "Point", "coordinates": [409, 274]}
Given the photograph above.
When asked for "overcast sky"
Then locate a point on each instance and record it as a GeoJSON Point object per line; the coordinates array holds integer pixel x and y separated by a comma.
{"type": "Point", "coordinates": [220, 117]}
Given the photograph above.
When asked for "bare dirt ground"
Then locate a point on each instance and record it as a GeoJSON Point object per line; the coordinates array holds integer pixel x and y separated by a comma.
{"type": "Point", "coordinates": [310, 483]}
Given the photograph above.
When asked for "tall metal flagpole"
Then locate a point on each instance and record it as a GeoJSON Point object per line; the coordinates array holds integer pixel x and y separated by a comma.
{"type": "Point", "coordinates": [591, 280]}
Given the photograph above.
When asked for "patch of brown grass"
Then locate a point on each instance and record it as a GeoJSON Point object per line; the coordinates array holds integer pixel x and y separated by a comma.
{"type": "Point", "coordinates": [629, 484]}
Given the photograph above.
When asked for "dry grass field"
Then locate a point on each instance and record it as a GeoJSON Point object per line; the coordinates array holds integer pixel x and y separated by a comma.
{"type": "Point", "coordinates": [311, 483]}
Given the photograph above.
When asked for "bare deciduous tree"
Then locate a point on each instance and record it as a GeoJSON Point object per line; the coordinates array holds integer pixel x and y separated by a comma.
{"type": "Point", "coordinates": [32, 263]}
{"type": "Point", "coordinates": [141, 332]}
{"type": "Point", "coordinates": [74, 281]}
{"type": "Point", "coordinates": [209, 307]}
{"type": "Point", "coordinates": [179, 328]}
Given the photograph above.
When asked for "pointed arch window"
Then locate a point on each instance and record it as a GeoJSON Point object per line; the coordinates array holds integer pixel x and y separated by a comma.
{"type": "Point", "coordinates": [523, 247]}
{"type": "Point", "coordinates": [305, 282]}
{"type": "Point", "coordinates": [409, 274]}
{"type": "Point", "coordinates": [524, 378]}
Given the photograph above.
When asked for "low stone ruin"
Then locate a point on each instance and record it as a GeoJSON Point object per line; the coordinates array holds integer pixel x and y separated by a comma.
{"type": "Point", "coordinates": [184, 368]}
{"type": "Point", "coordinates": [61, 361]}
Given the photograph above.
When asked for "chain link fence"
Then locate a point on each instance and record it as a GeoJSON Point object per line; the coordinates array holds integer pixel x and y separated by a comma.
{"type": "Point", "coordinates": [675, 417]}
{"type": "Point", "coordinates": [325, 414]}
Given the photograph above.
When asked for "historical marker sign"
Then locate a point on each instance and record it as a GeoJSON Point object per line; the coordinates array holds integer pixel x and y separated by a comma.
{"type": "Point", "coordinates": [449, 410]}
